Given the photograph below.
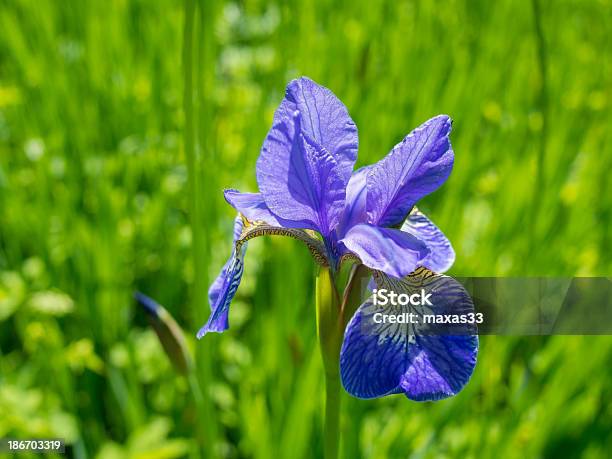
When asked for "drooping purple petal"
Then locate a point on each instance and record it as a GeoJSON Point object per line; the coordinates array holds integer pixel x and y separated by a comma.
{"type": "Point", "coordinates": [391, 251]}
{"type": "Point", "coordinates": [355, 207]}
{"type": "Point", "coordinates": [415, 167]}
{"type": "Point", "coordinates": [299, 179]}
{"type": "Point", "coordinates": [215, 288]}
{"type": "Point", "coordinates": [440, 366]}
{"type": "Point", "coordinates": [371, 363]}
{"type": "Point", "coordinates": [325, 120]}
{"type": "Point", "coordinates": [223, 291]}
{"type": "Point", "coordinates": [424, 362]}
{"type": "Point", "coordinates": [441, 254]}
{"type": "Point", "coordinates": [224, 287]}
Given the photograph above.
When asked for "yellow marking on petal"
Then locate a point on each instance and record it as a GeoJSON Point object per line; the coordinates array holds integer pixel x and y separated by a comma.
{"type": "Point", "coordinates": [259, 228]}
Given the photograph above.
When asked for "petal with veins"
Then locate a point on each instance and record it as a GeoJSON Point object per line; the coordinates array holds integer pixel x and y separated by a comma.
{"type": "Point", "coordinates": [415, 167]}
{"type": "Point", "coordinates": [441, 254]}
{"type": "Point", "coordinates": [425, 362]}
{"type": "Point", "coordinates": [392, 251]}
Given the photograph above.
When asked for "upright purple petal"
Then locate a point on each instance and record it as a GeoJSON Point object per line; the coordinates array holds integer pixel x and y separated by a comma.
{"type": "Point", "coordinates": [299, 179]}
{"type": "Point", "coordinates": [417, 166]}
{"type": "Point", "coordinates": [355, 206]}
{"type": "Point", "coordinates": [424, 363]}
{"type": "Point", "coordinates": [325, 120]}
{"type": "Point", "coordinates": [441, 254]}
{"type": "Point", "coordinates": [391, 251]}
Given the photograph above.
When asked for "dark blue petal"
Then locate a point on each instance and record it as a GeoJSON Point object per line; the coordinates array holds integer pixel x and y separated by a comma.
{"type": "Point", "coordinates": [439, 366]}
{"type": "Point", "coordinates": [371, 364]}
{"type": "Point", "coordinates": [425, 362]}
{"type": "Point", "coordinates": [389, 250]}
{"type": "Point", "coordinates": [441, 254]}
{"type": "Point", "coordinates": [417, 166]}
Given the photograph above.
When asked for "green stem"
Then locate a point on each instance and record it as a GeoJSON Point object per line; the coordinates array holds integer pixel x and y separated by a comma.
{"type": "Point", "coordinates": [332, 316]}
{"type": "Point", "coordinates": [354, 292]}
{"type": "Point", "coordinates": [329, 327]}
{"type": "Point", "coordinates": [331, 439]}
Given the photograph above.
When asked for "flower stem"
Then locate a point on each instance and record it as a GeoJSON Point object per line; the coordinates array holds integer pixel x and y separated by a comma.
{"type": "Point", "coordinates": [329, 327]}
{"type": "Point", "coordinates": [332, 416]}
{"type": "Point", "coordinates": [354, 292]}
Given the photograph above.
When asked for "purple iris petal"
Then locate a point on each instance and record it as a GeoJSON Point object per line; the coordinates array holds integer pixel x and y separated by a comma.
{"type": "Point", "coordinates": [379, 359]}
{"type": "Point", "coordinates": [325, 120]}
{"type": "Point", "coordinates": [391, 251]}
{"type": "Point", "coordinates": [355, 207]}
{"type": "Point", "coordinates": [441, 254]}
{"type": "Point", "coordinates": [252, 206]}
{"type": "Point", "coordinates": [299, 179]}
{"type": "Point", "coordinates": [224, 287]}
{"type": "Point", "coordinates": [414, 168]}
{"type": "Point", "coordinates": [439, 366]}
{"type": "Point", "coordinates": [215, 288]}
{"type": "Point", "coordinates": [370, 367]}
{"type": "Point", "coordinates": [304, 181]}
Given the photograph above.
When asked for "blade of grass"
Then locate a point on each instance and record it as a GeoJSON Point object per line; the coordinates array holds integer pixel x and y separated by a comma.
{"type": "Point", "coordinates": [206, 419]}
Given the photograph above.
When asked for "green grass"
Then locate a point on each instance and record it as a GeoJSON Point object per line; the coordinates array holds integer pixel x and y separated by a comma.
{"type": "Point", "coordinates": [94, 204]}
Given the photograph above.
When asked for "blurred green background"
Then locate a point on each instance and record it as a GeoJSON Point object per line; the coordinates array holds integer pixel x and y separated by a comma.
{"type": "Point", "coordinates": [94, 203]}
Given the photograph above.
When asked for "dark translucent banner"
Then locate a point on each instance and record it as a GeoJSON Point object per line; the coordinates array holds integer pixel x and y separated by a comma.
{"type": "Point", "coordinates": [429, 304]}
{"type": "Point", "coordinates": [542, 306]}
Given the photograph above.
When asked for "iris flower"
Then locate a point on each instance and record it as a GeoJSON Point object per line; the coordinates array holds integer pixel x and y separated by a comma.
{"type": "Point", "coordinates": [308, 190]}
